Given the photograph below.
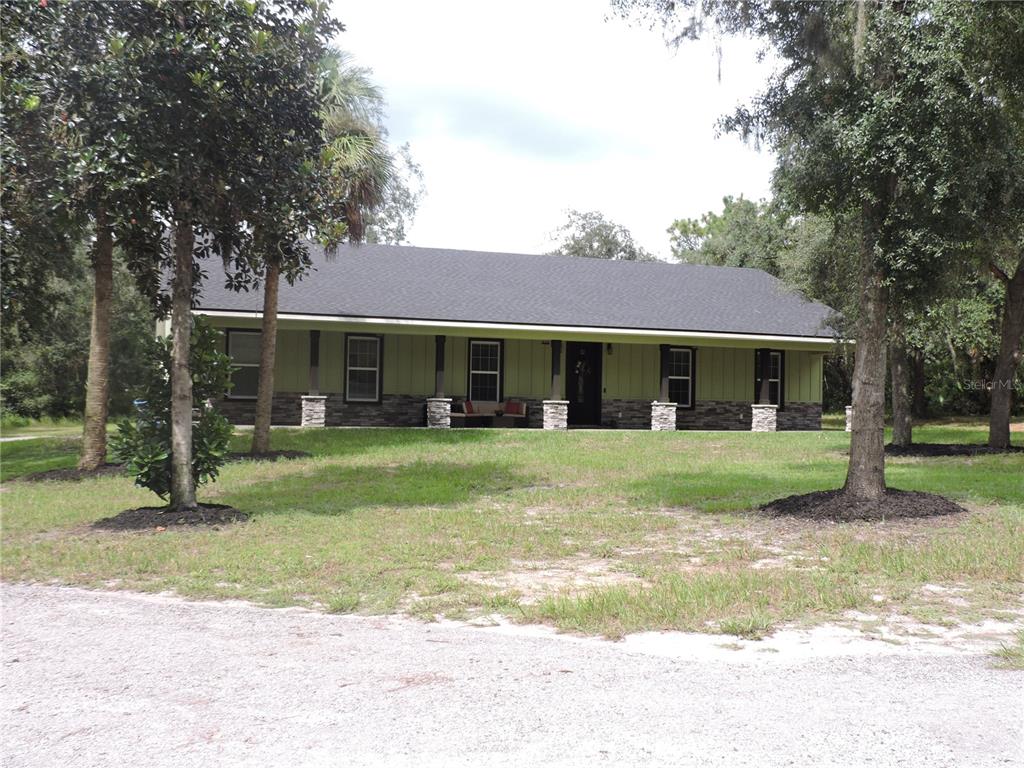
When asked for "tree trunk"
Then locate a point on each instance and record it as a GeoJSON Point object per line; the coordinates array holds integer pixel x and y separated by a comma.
{"type": "Point", "coordinates": [183, 487]}
{"type": "Point", "coordinates": [899, 366]}
{"type": "Point", "coordinates": [97, 388]}
{"type": "Point", "coordinates": [268, 346]}
{"type": "Point", "coordinates": [919, 403]}
{"type": "Point", "coordinates": [1010, 354]}
{"type": "Point", "coordinates": [865, 477]}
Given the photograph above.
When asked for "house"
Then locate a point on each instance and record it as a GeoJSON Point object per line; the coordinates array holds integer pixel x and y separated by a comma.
{"type": "Point", "coordinates": [385, 335]}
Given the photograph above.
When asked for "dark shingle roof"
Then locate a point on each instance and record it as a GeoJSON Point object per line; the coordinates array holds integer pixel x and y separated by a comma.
{"type": "Point", "coordinates": [389, 281]}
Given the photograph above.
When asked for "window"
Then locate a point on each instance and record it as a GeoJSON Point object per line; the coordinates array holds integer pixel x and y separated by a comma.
{"type": "Point", "coordinates": [485, 371]}
{"type": "Point", "coordinates": [244, 351]}
{"type": "Point", "coordinates": [362, 370]}
{"type": "Point", "coordinates": [775, 376]}
{"type": "Point", "coordinates": [680, 376]}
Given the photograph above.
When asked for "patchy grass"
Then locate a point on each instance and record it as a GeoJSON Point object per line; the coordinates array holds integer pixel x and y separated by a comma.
{"type": "Point", "coordinates": [1011, 655]}
{"type": "Point", "coordinates": [598, 532]}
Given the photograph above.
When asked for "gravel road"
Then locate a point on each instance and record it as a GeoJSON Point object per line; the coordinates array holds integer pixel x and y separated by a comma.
{"type": "Point", "coordinates": [102, 679]}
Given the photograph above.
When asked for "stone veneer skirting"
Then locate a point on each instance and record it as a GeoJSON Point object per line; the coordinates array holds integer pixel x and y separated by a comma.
{"type": "Point", "coordinates": [391, 411]}
{"type": "Point", "coordinates": [286, 410]}
{"type": "Point", "coordinates": [709, 414]}
{"type": "Point", "coordinates": [411, 411]}
{"type": "Point", "coordinates": [799, 416]}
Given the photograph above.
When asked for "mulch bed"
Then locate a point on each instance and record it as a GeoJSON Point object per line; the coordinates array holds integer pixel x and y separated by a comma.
{"type": "Point", "coordinates": [269, 456]}
{"type": "Point", "coordinates": [837, 507]}
{"type": "Point", "coordinates": [947, 449]}
{"type": "Point", "coordinates": [74, 475]}
{"type": "Point", "coordinates": [148, 518]}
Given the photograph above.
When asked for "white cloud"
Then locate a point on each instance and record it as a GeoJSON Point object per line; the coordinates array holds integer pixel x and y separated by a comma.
{"type": "Point", "coordinates": [518, 112]}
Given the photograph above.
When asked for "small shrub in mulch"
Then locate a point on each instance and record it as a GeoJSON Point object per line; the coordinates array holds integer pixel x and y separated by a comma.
{"type": "Point", "coordinates": [269, 456]}
{"type": "Point", "coordinates": [838, 507]}
{"type": "Point", "coordinates": [947, 449]}
{"type": "Point", "coordinates": [145, 518]}
{"type": "Point", "coordinates": [72, 474]}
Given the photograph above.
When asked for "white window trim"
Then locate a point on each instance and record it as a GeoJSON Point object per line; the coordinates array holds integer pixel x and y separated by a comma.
{"type": "Point", "coordinates": [349, 368]}
{"type": "Point", "coordinates": [496, 374]}
{"type": "Point", "coordinates": [689, 379]}
{"type": "Point", "coordinates": [231, 335]}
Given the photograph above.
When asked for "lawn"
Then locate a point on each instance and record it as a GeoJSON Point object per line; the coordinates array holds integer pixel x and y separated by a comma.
{"type": "Point", "coordinates": [590, 531]}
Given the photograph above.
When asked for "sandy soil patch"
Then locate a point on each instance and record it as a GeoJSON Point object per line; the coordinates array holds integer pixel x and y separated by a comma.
{"type": "Point", "coordinates": [536, 580]}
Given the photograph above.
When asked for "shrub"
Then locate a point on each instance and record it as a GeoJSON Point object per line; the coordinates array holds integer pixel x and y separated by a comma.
{"type": "Point", "coordinates": [144, 444]}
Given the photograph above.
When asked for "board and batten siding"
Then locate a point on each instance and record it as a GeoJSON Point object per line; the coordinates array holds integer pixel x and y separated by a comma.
{"type": "Point", "coordinates": [409, 365]}
{"type": "Point", "coordinates": [804, 372]}
{"type": "Point", "coordinates": [630, 371]}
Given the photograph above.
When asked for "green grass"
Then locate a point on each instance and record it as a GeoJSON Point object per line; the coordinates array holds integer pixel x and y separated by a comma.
{"type": "Point", "coordinates": [597, 532]}
{"type": "Point", "coordinates": [1011, 655]}
{"type": "Point", "coordinates": [20, 426]}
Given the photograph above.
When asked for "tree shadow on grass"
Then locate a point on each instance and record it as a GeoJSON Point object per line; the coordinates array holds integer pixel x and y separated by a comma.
{"type": "Point", "coordinates": [353, 441]}
{"type": "Point", "coordinates": [734, 487]}
{"type": "Point", "coordinates": [338, 490]}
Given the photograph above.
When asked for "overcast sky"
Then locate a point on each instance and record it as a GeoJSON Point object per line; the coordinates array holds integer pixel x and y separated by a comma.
{"type": "Point", "coordinates": [520, 111]}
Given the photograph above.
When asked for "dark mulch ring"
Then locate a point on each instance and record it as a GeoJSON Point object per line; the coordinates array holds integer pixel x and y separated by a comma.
{"type": "Point", "coordinates": [836, 506]}
{"type": "Point", "coordinates": [269, 456]}
{"type": "Point", "coordinates": [947, 449]}
{"type": "Point", "coordinates": [145, 518]}
{"type": "Point", "coordinates": [74, 475]}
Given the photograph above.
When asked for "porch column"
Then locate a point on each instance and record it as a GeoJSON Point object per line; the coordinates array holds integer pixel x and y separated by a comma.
{"type": "Point", "coordinates": [764, 415]}
{"type": "Point", "coordinates": [439, 407]}
{"type": "Point", "coordinates": [663, 412]}
{"type": "Point", "coordinates": [314, 405]}
{"type": "Point", "coordinates": [314, 362]}
{"type": "Point", "coordinates": [556, 410]}
{"type": "Point", "coordinates": [439, 365]}
{"type": "Point", "coordinates": [764, 365]}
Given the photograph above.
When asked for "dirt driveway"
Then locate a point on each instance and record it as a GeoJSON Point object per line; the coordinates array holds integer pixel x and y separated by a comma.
{"type": "Point", "coordinates": [100, 679]}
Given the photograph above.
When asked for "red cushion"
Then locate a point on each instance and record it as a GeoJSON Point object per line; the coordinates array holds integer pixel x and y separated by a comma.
{"type": "Point", "coordinates": [513, 407]}
{"type": "Point", "coordinates": [468, 406]}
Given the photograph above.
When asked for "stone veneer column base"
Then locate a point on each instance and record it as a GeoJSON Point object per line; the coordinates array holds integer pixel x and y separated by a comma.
{"type": "Point", "coordinates": [556, 414]}
{"type": "Point", "coordinates": [764, 418]}
{"type": "Point", "coordinates": [849, 418]}
{"type": "Point", "coordinates": [439, 412]}
{"type": "Point", "coordinates": [663, 417]}
{"type": "Point", "coordinates": [314, 410]}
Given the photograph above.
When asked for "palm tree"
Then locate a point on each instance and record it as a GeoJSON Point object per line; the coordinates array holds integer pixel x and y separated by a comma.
{"type": "Point", "coordinates": [359, 169]}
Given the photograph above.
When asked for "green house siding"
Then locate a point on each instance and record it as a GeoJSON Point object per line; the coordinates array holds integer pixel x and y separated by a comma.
{"type": "Point", "coordinates": [630, 371]}
{"type": "Point", "coordinates": [332, 357]}
{"type": "Point", "coordinates": [528, 368]}
{"type": "Point", "coordinates": [408, 365]}
{"type": "Point", "coordinates": [803, 377]}
{"type": "Point", "coordinates": [291, 362]}
{"type": "Point", "coordinates": [725, 374]}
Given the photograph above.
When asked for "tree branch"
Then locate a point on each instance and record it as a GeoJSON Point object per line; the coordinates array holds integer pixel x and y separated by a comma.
{"type": "Point", "coordinates": [999, 274]}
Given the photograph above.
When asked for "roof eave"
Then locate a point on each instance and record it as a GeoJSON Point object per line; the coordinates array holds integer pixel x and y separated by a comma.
{"type": "Point", "coordinates": [528, 330]}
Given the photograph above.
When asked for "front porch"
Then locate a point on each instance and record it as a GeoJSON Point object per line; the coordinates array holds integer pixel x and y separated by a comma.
{"type": "Point", "coordinates": [361, 377]}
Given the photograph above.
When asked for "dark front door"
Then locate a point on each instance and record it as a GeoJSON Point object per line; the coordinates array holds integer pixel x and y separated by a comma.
{"type": "Point", "coordinates": [583, 383]}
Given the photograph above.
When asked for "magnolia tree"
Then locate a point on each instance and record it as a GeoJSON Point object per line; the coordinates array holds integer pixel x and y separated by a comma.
{"type": "Point", "coordinates": [72, 167]}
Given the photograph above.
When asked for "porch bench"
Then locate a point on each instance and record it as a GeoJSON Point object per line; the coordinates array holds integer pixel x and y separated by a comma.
{"type": "Point", "coordinates": [480, 414]}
